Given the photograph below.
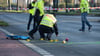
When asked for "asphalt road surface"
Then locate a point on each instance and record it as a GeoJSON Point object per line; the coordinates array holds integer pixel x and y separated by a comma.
{"type": "Point", "coordinates": [79, 44]}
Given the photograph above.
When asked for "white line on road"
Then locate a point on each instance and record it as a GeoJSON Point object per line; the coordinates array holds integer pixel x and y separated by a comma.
{"type": "Point", "coordinates": [36, 48]}
{"type": "Point", "coordinates": [32, 46]}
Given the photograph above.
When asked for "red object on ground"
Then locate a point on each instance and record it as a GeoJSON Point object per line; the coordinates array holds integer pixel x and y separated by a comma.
{"type": "Point", "coordinates": [14, 48]}
{"type": "Point", "coordinates": [66, 39]}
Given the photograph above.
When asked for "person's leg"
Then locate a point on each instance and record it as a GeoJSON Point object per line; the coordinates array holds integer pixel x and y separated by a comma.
{"type": "Point", "coordinates": [83, 23]}
{"type": "Point", "coordinates": [49, 35]}
{"type": "Point", "coordinates": [36, 23]}
{"type": "Point", "coordinates": [34, 28]}
{"type": "Point", "coordinates": [29, 22]}
{"type": "Point", "coordinates": [41, 32]}
{"type": "Point", "coordinates": [37, 20]}
{"type": "Point", "coordinates": [31, 34]}
{"type": "Point", "coordinates": [87, 22]}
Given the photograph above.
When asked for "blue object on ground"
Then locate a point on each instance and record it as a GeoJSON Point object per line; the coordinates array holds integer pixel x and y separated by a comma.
{"type": "Point", "coordinates": [16, 37]}
{"type": "Point", "coordinates": [24, 37]}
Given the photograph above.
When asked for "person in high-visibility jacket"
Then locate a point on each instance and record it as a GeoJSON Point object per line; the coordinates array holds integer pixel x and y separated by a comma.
{"type": "Point", "coordinates": [38, 15]}
{"type": "Point", "coordinates": [40, 6]}
{"type": "Point", "coordinates": [84, 8]}
{"type": "Point", "coordinates": [48, 25]}
{"type": "Point", "coordinates": [32, 11]}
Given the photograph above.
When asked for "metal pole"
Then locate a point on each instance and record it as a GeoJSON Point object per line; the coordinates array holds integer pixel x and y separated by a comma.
{"type": "Point", "coordinates": [55, 4]}
{"type": "Point", "coordinates": [66, 5]}
{"type": "Point", "coordinates": [7, 2]}
{"type": "Point", "coordinates": [10, 5]}
{"type": "Point", "coordinates": [23, 3]}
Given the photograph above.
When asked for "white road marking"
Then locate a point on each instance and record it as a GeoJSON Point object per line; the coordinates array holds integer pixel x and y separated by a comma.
{"type": "Point", "coordinates": [32, 46]}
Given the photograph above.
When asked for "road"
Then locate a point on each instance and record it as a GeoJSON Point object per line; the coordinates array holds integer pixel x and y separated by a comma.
{"type": "Point", "coordinates": [80, 43]}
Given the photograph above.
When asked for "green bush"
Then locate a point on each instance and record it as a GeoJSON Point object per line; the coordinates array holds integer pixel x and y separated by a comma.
{"type": "Point", "coordinates": [2, 23]}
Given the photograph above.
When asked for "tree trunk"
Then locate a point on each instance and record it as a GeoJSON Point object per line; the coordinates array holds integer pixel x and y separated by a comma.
{"type": "Point", "coordinates": [17, 5]}
{"type": "Point", "coordinates": [27, 3]}
{"type": "Point", "coordinates": [66, 5]}
{"type": "Point", "coordinates": [9, 5]}
{"type": "Point", "coordinates": [55, 5]}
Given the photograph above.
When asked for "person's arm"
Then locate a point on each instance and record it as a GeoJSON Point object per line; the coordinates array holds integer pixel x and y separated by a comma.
{"type": "Point", "coordinates": [30, 6]}
{"type": "Point", "coordinates": [56, 29]}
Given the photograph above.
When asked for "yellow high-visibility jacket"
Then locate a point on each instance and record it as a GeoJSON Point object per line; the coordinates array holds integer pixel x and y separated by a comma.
{"type": "Point", "coordinates": [33, 10]}
{"type": "Point", "coordinates": [84, 6]}
{"type": "Point", "coordinates": [40, 6]}
{"type": "Point", "coordinates": [48, 20]}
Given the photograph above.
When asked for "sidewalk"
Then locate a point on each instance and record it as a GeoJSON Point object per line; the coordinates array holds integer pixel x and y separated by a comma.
{"type": "Point", "coordinates": [14, 48]}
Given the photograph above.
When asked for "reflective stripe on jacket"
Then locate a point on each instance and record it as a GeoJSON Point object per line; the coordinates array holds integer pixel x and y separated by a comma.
{"type": "Point", "coordinates": [84, 6]}
{"type": "Point", "coordinates": [48, 20]}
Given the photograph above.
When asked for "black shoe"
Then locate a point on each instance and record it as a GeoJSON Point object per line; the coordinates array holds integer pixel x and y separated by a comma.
{"type": "Point", "coordinates": [49, 39]}
{"type": "Point", "coordinates": [81, 30]}
{"type": "Point", "coordinates": [89, 28]}
{"type": "Point", "coordinates": [31, 36]}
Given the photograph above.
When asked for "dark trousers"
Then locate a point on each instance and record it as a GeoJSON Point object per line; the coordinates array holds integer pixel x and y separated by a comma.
{"type": "Point", "coordinates": [84, 20]}
{"type": "Point", "coordinates": [44, 29]}
{"type": "Point", "coordinates": [36, 25]}
{"type": "Point", "coordinates": [29, 22]}
{"type": "Point", "coordinates": [35, 17]}
{"type": "Point", "coordinates": [37, 20]}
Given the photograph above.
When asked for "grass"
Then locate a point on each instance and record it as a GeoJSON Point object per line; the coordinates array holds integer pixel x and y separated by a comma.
{"type": "Point", "coordinates": [19, 11]}
{"type": "Point", "coordinates": [2, 23]}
